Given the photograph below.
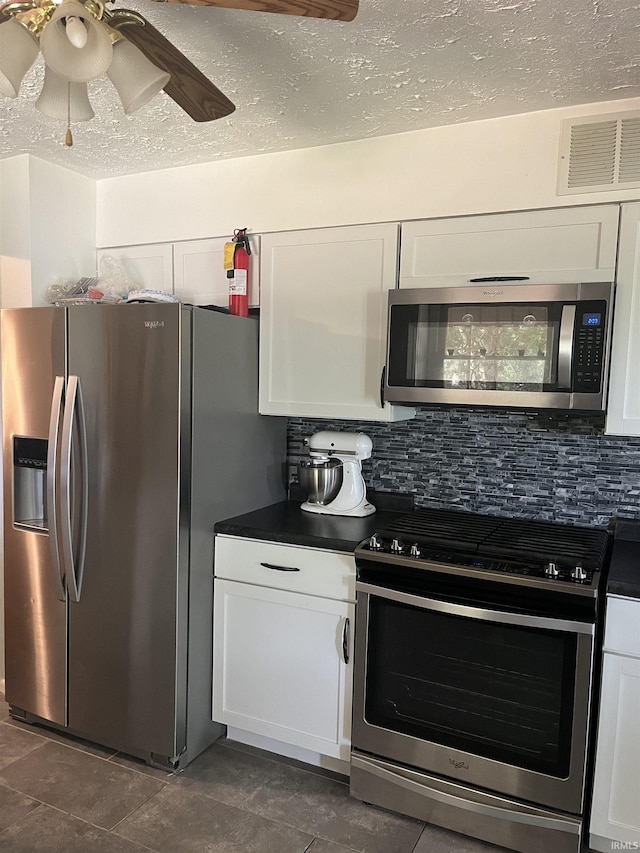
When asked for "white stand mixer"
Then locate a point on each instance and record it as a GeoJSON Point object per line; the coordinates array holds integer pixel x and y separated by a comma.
{"type": "Point", "coordinates": [350, 449]}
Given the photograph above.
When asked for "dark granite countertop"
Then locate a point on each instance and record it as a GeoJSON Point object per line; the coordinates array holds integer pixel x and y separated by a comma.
{"type": "Point", "coordinates": [285, 522]}
{"type": "Point", "coordinates": [624, 570]}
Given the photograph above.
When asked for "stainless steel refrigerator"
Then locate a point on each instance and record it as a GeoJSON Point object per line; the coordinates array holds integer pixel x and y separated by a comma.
{"type": "Point", "coordinates": [129, 430]}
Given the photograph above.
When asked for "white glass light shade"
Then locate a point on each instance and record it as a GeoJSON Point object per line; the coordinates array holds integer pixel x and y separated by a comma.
{"type": "Point", "coordinates": [18, 50]}
{"type": "Point", "coordinates": [78, 64]}
{"type": "Point", "coordinates": [135, 77]}
{"type": "Point", "coordinates": [58, 95]}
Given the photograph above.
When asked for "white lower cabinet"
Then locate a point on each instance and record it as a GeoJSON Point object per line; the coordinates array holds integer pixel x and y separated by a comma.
{"type": "Point", "coordinates": [615, 811]}
{"type": "Point", "coordinates": [283, 640]}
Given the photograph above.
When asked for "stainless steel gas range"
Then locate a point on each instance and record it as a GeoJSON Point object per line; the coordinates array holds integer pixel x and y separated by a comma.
{"type": "Point", "coordinates": [474, 671]}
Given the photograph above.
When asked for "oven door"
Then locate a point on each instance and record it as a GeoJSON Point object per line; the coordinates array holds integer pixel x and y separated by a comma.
{"type": "Point", "coordinates": [517, 346]}
{"type": "Point", "coordinates": [487, 698]}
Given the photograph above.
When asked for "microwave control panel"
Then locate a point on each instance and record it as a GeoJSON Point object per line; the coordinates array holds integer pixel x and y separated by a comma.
{"type": "Point", "coordinates": [589, 346]}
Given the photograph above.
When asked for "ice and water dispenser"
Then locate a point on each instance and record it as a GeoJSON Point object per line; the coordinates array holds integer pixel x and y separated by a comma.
{"type": "Point", "coordinates": [29, 482]}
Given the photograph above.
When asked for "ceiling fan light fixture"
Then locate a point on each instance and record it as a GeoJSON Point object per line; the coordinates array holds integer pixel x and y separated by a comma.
{"type": "Point", "coordinates": [18, 51]}
{"type": "Point", "coordinates": [64, 100]}
{"type": "Point", "coordinates": [135, 78]}
{"type": "Point", "coordinates": [77, 64]}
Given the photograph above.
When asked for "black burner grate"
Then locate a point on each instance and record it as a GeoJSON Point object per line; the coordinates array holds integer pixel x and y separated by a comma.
{"type": "Point", "coordinates": [502, 537]}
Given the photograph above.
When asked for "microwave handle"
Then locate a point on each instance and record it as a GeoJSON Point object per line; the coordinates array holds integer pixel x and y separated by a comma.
{"type": "Point", "coordinates": [382, 376]}
{"type": "Point", "coordinates": [565, 347]}
{"type": "Point", "coordinates": [490, 278]}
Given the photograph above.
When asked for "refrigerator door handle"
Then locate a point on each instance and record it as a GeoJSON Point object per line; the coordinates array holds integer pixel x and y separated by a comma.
{"type": "Point", "coordinates": [75, 567]}
{"type": "Point", "coordinates": [52, 485]}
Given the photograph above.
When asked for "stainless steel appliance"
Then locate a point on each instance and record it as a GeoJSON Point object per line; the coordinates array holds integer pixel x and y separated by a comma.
{"type": "Point", "coordinates": [474, 666]}
{"type": "Point", "coordinates": [333, 477]}
{"type": "Point", "coordinates": [129, 430]}
{"type": "Point", "coordinates": [499, 344]}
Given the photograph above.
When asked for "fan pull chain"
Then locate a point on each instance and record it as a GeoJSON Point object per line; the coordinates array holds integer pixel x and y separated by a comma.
{"type": "Point", "coordinates": [68, 140]}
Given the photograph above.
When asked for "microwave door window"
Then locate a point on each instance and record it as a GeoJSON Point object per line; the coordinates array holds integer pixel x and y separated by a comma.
{"type": "Point", "coordinates": [503, 347]}
{"type": "Point", "coordinates": [417, 344]}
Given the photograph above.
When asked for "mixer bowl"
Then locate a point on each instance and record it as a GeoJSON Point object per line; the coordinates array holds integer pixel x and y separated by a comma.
{"type": "Point", "coordinates": [321, 479]}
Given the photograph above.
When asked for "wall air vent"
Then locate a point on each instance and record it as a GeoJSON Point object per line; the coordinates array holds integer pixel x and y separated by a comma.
{"type": "Point", "coordinates": [600, 155]}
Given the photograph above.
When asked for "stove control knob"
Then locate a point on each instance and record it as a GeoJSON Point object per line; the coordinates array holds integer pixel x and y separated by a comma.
{"type": "Point", "coordinates": [375, 543]}
{"type": "Point", "coordinates": [551, 570]}
{"type": "Point", "coordinates": [414, 551]}
{"type": "Point", "coordinates": [578, 573]}
{"type": "Point", "coordinates": [396, 546]}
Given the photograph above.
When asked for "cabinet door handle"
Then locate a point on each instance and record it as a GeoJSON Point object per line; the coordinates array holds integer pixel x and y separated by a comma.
{"type": "Point", "coordinates": [382, 375]}
{"type": "Point", "coordinates": [345, 640]}
{"type": "Point", "coordinates": [279, 568]}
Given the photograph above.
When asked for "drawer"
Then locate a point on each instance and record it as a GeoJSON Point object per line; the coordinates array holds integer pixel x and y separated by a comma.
{"type": "Point", "coordinates": [622, 626]}
{"type": "Point", "coordinates": [329, 574]}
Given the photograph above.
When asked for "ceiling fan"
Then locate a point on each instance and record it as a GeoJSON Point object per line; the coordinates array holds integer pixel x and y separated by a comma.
{"type": "Point", "coordinates": [186, 84]}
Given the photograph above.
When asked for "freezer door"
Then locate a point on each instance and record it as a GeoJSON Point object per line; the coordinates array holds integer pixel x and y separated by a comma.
{"type": "Point", "coordinates": [33, 355]}
{"type": "Point", "coordinates": [127, 631]}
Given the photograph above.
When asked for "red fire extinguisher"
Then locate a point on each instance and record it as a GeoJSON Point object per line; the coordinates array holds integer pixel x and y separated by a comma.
{"type": "Point", "coordinates": [239, 275]}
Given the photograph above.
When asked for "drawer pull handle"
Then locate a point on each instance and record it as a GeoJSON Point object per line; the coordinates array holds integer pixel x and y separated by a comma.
{"type": "Point", "coordinates": [279, 568]}
{"type": "Point", "coordinates": [345, 641]}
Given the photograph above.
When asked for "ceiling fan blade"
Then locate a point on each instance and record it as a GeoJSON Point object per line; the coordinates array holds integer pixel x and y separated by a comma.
{"type": "Point", "coordinates": [336, 10]}
{"type": "Point", "coordinates": [188, 86]}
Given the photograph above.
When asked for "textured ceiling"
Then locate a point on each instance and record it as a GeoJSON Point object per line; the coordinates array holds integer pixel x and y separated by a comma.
{"type": "Point", "coordinates": [401, 65]}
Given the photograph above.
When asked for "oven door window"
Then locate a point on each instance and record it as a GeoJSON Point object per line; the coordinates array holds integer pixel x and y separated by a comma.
{"type": "Point", "coordinates": [499, 347]}
{"type": "Point", "coordinates": [500, 691]}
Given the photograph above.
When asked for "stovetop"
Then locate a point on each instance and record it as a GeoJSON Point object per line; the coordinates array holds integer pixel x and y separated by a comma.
{"type": "Point", "coordinates": [559, 555]}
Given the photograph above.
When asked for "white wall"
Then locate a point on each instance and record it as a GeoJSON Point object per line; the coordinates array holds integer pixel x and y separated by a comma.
{"type": "Point", "coordinates": [47, 231]}
{"type": "Point", "coordinates": [63, 232]}
{"type": "Point", "coordinates": [47, 228]}
{"type": "Point", "coordinates": [15, 232]}
{"type": "Point", "coordinates": [485, 166]}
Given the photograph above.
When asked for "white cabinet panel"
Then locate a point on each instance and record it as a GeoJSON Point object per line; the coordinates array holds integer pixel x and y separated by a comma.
{"type": "Point", "coordinates": [199, 274]}
{"type": "Point", "coordinates": [278, 666]}
{"type": "Point", "coordinates": [615, 815]}
{"type": "Point", "coordinates": [547, 246]}
{"type": "Point", "coordinates": [622, 628]}
{"type": "Point", "coordinates": [148, 266]}
{"type": "Point", "coordinates": [310, 571]}
{"type": "Point", "coordinates": [323, 322]}
{"type": "Point", "coordinates": [623, 409]}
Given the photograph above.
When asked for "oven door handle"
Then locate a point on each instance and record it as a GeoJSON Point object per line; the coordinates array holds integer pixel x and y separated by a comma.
{"type": "Point", "coordinates": [479, 612]}
{"type": "Point", "coordinates": [377, 768]}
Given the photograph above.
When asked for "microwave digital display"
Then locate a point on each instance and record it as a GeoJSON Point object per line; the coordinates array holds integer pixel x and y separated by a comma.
{"type": "Point", "coordinates": [591, 319]}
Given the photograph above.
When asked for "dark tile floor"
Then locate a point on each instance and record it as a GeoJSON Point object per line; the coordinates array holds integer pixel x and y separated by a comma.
{"type": "Point", "coordinates": [60, 795]}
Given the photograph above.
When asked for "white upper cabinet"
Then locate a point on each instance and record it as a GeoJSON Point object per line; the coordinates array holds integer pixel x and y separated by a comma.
{"type": "Point", "coordinates": [199, 274]}
{"type": "Point", "coordinates": [623, 409]}
{"type": "Point", "coordinates": [564, 245]}
{"type": "Point", "coordinates": [149, 266]}
{"type": "Point", "coordinates": [323, 322]}
{"type": "Point", "coordinates": [193, 270]}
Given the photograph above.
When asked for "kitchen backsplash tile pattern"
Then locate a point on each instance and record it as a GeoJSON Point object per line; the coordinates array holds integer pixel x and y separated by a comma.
{"type": "Point", "coordinates": [549, 467]}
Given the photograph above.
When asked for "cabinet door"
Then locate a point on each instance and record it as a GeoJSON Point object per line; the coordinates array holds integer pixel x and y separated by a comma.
{"type": "Point", "coordinates": [323, 322]}
{"type": "Point", "coordinates": [199, 274]}
{"type": "Point", "coordinates": [615, 815]}
{"type": "Point", "coordinates": [623, 409]}
{"type": "Point", "coordinates": [148, 266]}
{"type": "Point", "coordinates": [279, 669]}
{"type": "Point", "coordinates": [558, 246]}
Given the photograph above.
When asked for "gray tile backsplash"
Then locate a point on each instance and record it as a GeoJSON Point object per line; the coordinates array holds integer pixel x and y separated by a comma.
{"type": "Point", "coordinates": [543, 466]}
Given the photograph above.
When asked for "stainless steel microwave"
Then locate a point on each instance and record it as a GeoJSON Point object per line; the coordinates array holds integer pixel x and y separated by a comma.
{"type": "Point", "coordinates": [516, 346]}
